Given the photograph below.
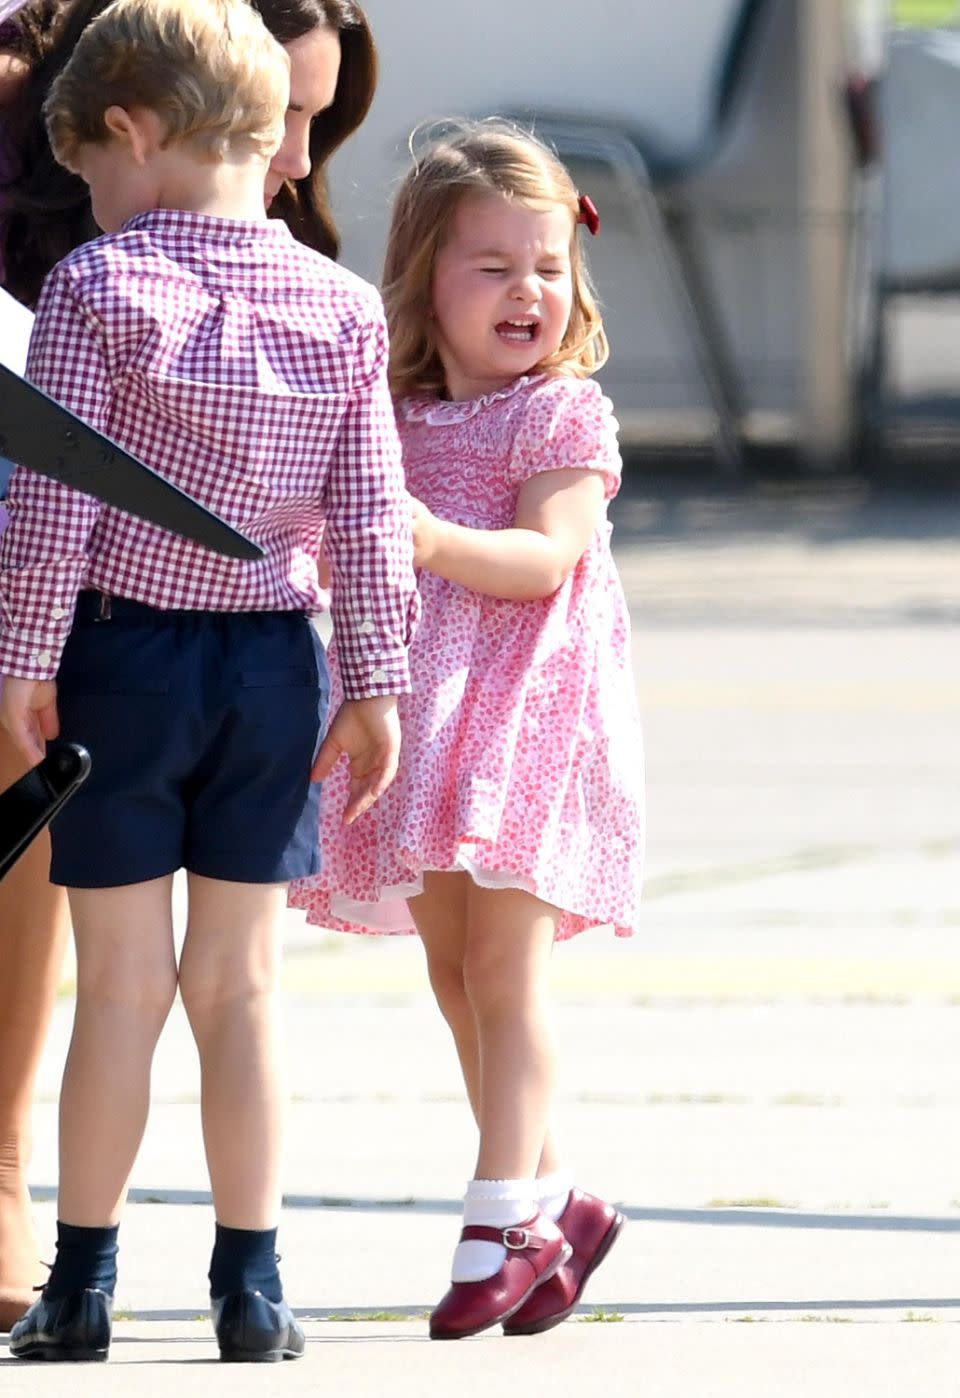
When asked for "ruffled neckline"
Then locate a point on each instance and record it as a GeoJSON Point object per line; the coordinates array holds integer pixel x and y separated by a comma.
{"type": "Point", "coordinates": [442, 412]}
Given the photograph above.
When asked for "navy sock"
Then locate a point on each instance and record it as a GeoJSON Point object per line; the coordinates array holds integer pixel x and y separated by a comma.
{"type": "Point", "coordinates": [245, 1259]}
{"type": "Point", "coordinates": [86, 1258]}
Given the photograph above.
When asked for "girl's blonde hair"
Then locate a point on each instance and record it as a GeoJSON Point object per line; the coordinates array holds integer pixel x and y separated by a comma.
{"type": "Point", "coordinates": [487, 157]}
{"type": "Point", "coordinates": [209, 68]}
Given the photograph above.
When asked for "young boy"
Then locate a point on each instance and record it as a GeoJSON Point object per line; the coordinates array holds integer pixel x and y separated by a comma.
{"type": "Point", "coordinates": [251, 372]}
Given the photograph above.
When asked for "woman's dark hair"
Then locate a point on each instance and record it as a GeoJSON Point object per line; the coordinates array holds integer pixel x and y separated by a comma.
{"type": "Point", "coordinates": [305, 204]}
{"type": "Point", "coordinates": [46, 210]}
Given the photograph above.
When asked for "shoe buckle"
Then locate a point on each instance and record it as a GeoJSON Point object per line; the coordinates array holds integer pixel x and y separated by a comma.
{"type": "Point", "coordinates": [516, 1239]}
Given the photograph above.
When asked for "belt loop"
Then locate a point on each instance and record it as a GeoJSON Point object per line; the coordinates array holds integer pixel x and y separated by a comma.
{"type": "Point", "coordinates": [104, 612]}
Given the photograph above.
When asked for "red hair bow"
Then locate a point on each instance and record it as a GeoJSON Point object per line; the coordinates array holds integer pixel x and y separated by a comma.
{"type": "Point", "coordinates": [588, 214]}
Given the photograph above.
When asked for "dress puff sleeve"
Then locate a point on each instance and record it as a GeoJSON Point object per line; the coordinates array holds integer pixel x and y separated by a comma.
{"type": "Point", "coordinates": [567, 424]}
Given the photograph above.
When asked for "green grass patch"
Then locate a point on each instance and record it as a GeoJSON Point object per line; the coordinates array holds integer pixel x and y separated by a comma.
{"type": "Point", "coordinates": [920, 13]}
{"type": "Point", "coordinates": [760, 1202]}
{"type": "Point", "coordinates": [599, 1316]}
{"type": "Point", "coordinates": [376, 1317]}
{"type": "Point", "coordinates": [823, 1319]}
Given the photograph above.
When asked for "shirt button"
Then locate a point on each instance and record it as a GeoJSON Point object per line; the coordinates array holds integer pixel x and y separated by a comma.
{"type": "Point", "coordinates": [43, 657]}
{"type": "Point", "coordinates": [378, 676]}
{"type": "Point", "coordinates": [58, 612]}
{"type": "Point", "coordinates": [366, 627]}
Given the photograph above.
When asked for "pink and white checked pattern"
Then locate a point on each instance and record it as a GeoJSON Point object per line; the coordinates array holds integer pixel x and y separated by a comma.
{"type": "Point", "coordinates": [251, 372]}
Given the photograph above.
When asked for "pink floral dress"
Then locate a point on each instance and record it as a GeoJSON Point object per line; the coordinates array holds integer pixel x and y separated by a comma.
{"type": "Point", "coordinates": [522, 759]}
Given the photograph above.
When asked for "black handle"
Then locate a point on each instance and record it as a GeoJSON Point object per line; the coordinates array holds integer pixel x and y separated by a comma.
{"type": "Point", "coordinates": [33, 801]}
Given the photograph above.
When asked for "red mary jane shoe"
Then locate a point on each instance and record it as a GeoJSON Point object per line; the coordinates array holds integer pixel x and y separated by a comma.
{"type": "Point", "coordinates": [470, 1307]}
{"type": "Point", "coordinates": [591, 1228]}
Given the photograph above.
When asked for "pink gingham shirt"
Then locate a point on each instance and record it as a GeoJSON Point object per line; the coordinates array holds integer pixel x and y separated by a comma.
{"type": "Point", "coordinates": [251, 372]}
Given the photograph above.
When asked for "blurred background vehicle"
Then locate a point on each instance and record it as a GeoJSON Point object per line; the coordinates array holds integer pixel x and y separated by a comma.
{"type": "Point", "coordinates": [775, 177]}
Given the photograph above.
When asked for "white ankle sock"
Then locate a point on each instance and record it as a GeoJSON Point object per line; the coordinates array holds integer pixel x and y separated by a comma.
{"type": "Point", "coordinates": [498, 1204]}
{"type": "Point", "coordinates": [553, 1191]}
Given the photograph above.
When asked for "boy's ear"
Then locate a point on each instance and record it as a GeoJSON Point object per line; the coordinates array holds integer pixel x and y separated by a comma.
{"type": "Point", "coordinates": [126, 128]}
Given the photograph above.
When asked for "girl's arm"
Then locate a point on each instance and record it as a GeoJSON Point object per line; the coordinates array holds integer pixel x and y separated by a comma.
{"type": "Point", "coordinates": [556, 516]}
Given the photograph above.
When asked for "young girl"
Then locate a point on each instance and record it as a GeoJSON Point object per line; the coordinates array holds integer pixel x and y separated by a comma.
{"type": "Point", "coordinates": [516, 817]}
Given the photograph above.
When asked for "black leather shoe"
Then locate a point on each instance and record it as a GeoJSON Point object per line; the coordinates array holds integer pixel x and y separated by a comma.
{"type": "Point", "coordinates": [252, 1330]}
{"type": "Point", "coordinates": [74, 1327]}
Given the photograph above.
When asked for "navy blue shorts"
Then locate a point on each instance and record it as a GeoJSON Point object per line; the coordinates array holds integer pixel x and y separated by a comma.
{"type": "Point", "coordinates": [202, 728]}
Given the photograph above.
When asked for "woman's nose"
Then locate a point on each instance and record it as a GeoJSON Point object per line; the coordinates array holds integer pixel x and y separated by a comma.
{"type": "Point", "coordinates": [292, 160]}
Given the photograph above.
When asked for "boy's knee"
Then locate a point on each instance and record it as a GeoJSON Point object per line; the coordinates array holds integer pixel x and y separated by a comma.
{"type": "Point", "coordinates": [151, 998]}
{"type": "Point", "coordinates": [208, 995]}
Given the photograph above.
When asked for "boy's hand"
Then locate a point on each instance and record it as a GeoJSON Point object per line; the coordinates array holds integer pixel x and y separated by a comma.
{"type": "Point", "coordinates": [28, 711]}
{"type": "Point", "coordinates": [368, 732]}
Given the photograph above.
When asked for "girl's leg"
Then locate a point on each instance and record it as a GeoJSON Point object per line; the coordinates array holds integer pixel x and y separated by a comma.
{"type": "Point", "coordinates": [496, 963]}
{"type": "Point", "coordinates": [440, 916]}
{"type": "Point", "coordinates": [506, 948]}
{"type": "Point", "coordinates": [33, 931]}
{"type": "Point", "coordinates": [126, 983]}
{"type": "Point", "coordinates": [509, 940]}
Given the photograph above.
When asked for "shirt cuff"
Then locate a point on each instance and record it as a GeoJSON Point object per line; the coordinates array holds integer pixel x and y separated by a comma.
{"type": "Point", "coordinates": [34, 654]}
{"type": "Point", "coordinates": [367, 679]}
{"type": "Point", "coordinates": [31, 657]}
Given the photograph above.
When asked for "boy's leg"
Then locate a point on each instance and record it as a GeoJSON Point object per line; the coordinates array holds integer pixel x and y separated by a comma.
{"type": "Point", "coordinates": [229, 971]}
{"type": "Point", "coordinates": [126, 983]}
{"type": "Point", "coordinates": [228, 982]}
{"type": "Point", "coordinates": [33, 933]}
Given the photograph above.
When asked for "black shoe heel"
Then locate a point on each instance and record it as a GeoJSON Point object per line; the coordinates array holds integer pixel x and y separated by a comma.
{"type": "Point", "coordinates": [252, 1330]}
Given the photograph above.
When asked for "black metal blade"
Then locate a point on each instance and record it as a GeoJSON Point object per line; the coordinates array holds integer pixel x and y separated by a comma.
{"type": "Point", "coordinates": [37, 432]}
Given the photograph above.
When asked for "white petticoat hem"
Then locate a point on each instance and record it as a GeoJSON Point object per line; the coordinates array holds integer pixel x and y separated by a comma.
{"type": "Point", "coordinates": [391, 914]}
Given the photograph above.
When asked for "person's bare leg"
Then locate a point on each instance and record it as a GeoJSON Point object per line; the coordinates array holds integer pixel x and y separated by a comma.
{"type": "Point", "coordinates": [509, 940]}
{"type": "Point", "coordinates": [34, 926]}
{"type": "Point", "coordinates": [505, 953]}
{"type": "Point", "coordinates": [229, 974]}
{"type": "Point", "coordinates": [126, 983]}
{"type": "Point", "coordinates": [439, 915]}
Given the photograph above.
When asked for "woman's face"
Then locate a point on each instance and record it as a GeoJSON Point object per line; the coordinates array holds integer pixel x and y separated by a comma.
{"type": "Point", "coordinates": [314, 70]}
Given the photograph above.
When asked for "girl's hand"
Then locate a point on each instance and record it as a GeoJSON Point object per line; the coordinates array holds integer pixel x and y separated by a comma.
{"type": "Point", "coordinates": [28, 711]}
{"type": "Point", "coordinates": [425, 533]}
{"type": "Point", "coordinates": [368, 732]}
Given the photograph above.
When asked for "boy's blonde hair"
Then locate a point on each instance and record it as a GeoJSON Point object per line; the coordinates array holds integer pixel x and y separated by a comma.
{"type": "Point", "coordinates": [487, 157]}
{"type": "Point", "coordinates": [209, 68]}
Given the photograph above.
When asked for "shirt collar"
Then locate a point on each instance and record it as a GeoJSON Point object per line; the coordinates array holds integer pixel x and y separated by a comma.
{"type": "Point", "coordinates": [225, 229]}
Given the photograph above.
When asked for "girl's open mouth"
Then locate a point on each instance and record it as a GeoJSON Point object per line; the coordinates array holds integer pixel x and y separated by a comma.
{"type": "Point", "coordinates": [518, 332]}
